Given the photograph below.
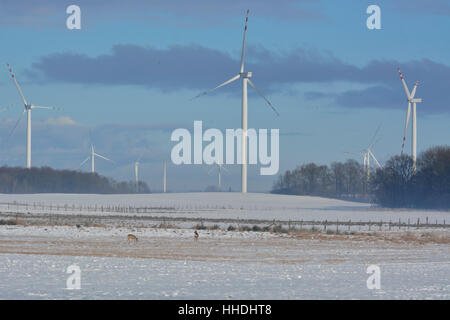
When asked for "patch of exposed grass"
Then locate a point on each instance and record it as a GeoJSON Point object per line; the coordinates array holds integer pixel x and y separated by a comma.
{"type": "Point", "coordinates": [9, 222]}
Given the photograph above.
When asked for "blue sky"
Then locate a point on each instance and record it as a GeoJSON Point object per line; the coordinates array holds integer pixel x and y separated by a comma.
{"type": "Point", "coordinates": [125, 80]}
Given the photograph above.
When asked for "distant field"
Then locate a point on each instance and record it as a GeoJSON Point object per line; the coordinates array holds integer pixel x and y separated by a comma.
{"type": "Point", "coordinates": [215, 205]}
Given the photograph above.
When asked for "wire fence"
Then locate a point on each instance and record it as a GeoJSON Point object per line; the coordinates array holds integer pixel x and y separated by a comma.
{"type": "Point", "coordinates": [72, 211]}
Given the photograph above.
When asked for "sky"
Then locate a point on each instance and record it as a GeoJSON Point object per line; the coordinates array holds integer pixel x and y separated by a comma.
{"type": "Point", "coordinates": [125, 81]}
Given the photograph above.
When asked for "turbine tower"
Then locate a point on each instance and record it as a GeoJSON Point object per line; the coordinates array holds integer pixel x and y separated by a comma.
{"type": "Point", "coordinates": [27, 109]}
{"type": "Point", "coordinates": [411, 100]}
{"type": "Point", "coordinates": [136, 173]}
{"type": "Point", "coordinates": [92, 158]}
{"type": "Point", "coordinates": [165, 177]}
{"type": "Point", "coordinates": [245, 76]}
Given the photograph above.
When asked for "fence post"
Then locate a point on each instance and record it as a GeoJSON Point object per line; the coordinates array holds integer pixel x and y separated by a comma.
{"type": "Point", "coordinates": [337, 225]}
{"type": "Point", "coordinates": [399, 223]}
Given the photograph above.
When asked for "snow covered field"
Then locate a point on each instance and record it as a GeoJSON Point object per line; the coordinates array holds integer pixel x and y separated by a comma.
{"type": "Point", "coordinates": [221, 205]}
{"type": "Point", "coordinates": [170, 264]}
{"type": "Point", "coordinates": [44, 277]}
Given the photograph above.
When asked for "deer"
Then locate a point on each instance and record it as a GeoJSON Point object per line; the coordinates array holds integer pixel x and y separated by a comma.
{"type": "Point", "coordinates": [195, 235]}
{"type": "Point", "coordinates": [132, 237]}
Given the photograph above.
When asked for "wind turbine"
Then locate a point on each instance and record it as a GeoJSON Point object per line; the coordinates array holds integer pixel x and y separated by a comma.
{"type": "Point", "coordinates": [219, 167]}
{"type": "Point", "coordinates": [27, 109]}
{"type": "Point", "coordinates": [411, 99]}
{"type": "Point", "coordinates": [245, 76]}
{"type": "Point", "coordinates": [92, 158]}
{"type": "Point", "coordinates": [367, 154]}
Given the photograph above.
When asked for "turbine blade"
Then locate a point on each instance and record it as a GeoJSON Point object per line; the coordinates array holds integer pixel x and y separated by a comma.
{"type": "Point", "coordinates": [413, 92]}
{"type": "Point", "coordinates": [42, 107]}
{"type": "Point", "coordinates": [243, 42]}
{"type": "Point", "coordinates": [84, 162]}
{"type": "Point", "coordinates": [17, 85]}
{"type": "Point", "coordinates": [376, 161]}
{"type": "Point", "coordinates": [408, 113]}
{"type": "Point", "coordinates": [354, 153]}
{"type": "Point", "coordinates": [98, 155]}
{"type": "Point", "coordinates": [260, 93]}
{"type": "Point", "coordinates": [372, 142]}
{"type": "Point", "coordinates": [220, 85]}
{"type": "Point", "coordinates": [17, 123]}
{"type": "Point", "coordinates": [408, 95]}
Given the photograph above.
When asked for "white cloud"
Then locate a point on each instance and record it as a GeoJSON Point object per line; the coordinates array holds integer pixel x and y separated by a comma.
{"type": "Point", "coordinates": [61, 121]}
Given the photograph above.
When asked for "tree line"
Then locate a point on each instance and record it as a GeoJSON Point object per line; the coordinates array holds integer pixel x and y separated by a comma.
{"type": "Point", "coordinates": [397, 184]}
{"type": "Point", "coordinates": [48, 180]}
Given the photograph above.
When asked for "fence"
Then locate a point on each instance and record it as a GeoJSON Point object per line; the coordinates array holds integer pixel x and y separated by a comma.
{"type": "Point", "coordinates": [15, 209]}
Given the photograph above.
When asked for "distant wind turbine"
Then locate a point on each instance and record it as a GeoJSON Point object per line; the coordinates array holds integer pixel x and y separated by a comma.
{"type": "Point", "coordinates": [92, 158]}
{"type": "Point", "coordinates": [411, 99]}
{"type": "Point", "coordinates": [27, 109]}
{"type": "Point", "coordinates": [245, 76]}
{"type": "Point", "coordinates": [367, 154]}
{"type": "Point", "coordinates": [219, 168]}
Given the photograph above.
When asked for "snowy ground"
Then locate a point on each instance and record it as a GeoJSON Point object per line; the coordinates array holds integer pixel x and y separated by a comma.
{"type": "Point", "coordinates": [170, 264]}
{"type": "Point", "coordinates": [44, 277]}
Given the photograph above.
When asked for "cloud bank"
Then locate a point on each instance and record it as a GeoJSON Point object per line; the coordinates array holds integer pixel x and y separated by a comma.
{"type": "Point", "coordinates": [198, 68]}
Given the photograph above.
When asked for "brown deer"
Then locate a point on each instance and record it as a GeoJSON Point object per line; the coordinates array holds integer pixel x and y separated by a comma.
{"type": "Point", "coordinates": [132, 237]}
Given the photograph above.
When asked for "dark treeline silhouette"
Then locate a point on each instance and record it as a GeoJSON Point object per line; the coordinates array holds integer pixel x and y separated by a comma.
{"type": "Point", "coordinates": [48, 180]}
{"type": "Point", "coordinates": [395, 185]}
{"type": "Point", "coordinates": [340, 180]}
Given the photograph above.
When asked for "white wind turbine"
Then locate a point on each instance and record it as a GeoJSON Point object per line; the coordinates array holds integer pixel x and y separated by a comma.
{"type": "Point", "coordinates": [92, 158]}
{"type": "Point", "coordinates": [27, 109]}
{"type": "Point", "coordinates": [411, 99]}
{"type": "Point", "coordinates": [219, 167]}
{"type": "Point", "coordinates": [245, 76]}
{"type": "Point", "coordinates": [367, 154]}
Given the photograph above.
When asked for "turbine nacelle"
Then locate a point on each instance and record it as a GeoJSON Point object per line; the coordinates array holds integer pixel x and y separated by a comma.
{"type": "Point", "coordinates": [246, 75]}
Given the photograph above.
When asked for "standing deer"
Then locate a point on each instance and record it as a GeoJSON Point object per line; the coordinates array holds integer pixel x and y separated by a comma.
{"type": "Point", "coordinates": [132, 237]}
{"type": "Point", "coordinates": [196, 235]}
